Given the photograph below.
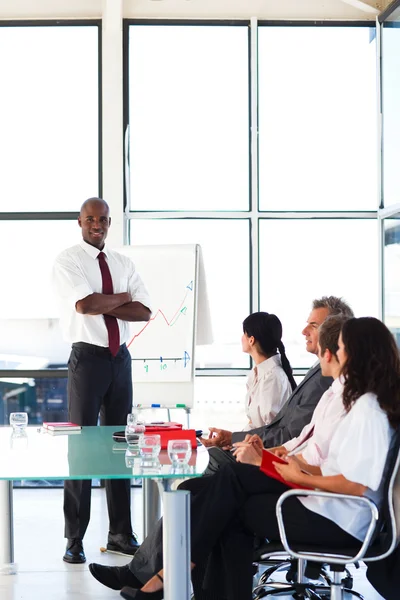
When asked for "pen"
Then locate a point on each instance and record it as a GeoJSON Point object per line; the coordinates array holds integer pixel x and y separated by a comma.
{"type": "Point", "coordinates": [297, 449]}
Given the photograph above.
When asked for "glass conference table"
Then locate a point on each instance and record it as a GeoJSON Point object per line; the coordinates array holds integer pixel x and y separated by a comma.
{"type": "Point", "coordinates": [92, 454]}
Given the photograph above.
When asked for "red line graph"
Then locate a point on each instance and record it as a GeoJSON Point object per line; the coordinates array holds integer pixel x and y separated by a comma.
{"type": "Point", "coordinates": [169, 323]}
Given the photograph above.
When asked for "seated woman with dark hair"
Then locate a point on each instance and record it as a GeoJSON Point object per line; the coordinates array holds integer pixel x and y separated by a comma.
{"type": "Point", "coordinates": [271, 380]}
{"type": "Point", "coordinates": [239, 501]}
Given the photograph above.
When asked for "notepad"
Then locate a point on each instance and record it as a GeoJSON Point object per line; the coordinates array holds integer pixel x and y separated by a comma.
{"type": "Point", "coordinates": [61, 426]}
{"type": "Point", "coordinates": [268, 468]}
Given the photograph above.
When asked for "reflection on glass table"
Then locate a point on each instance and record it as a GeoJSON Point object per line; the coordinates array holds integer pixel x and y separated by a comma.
{"type": "Point", "coordinates": [91, 454]}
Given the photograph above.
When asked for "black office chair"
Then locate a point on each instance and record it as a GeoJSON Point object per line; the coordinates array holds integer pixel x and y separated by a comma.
{"type": "Point", "coordinates": [383, 535]}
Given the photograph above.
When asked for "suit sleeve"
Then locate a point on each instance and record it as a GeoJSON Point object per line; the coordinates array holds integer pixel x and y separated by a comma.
{"type": "Point", "coordinates": [296, 413]}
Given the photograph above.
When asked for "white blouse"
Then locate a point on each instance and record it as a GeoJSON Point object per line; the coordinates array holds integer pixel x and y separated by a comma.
{"type": "Point", "coordinates": [268, 388]}
{"type": "Point", "coordinates": [76, 274]}
{"type": "Point", "coordinates": [325, 420]}
{"type": "Point", "coordinates": [358, 451]}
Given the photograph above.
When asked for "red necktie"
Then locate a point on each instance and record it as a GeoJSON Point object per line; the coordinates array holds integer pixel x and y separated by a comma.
{"type": "Point", "coordinates": [111, 322]}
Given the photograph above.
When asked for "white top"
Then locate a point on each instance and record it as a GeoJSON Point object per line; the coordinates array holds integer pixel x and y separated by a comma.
{"type": "Point", "coordinates": [76, 275]}
{"type": "Point", "coordinates": [358, 451]}
{"type": "Point", "coordinates": [268, 388]}
{"type": "Point", "coordinates": [325, 420]}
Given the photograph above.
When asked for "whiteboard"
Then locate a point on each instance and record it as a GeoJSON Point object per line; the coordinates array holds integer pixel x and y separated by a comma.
{"type": "Point", "coordinates": [163, 348]}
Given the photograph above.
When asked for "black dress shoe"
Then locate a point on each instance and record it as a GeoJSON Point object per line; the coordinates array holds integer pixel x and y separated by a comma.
{"type": "Point", "coordinates": [74, 552]}
{"type": "Point", "coordinates": [124, 544]}
{"type": "Point", "coordinates": [114, 577]}
{"type": "Point", "coordinates": [131, 594]}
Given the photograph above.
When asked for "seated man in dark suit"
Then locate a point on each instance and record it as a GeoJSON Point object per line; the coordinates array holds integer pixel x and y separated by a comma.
{"type": "Point", "coordinates": [298, 410]}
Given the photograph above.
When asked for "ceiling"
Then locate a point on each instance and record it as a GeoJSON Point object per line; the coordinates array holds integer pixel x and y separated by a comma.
{"type": "Point", "coordinates": [201, 9]}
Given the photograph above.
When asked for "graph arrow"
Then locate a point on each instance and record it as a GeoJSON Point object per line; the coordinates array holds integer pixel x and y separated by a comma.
{"type": "Point", "coordinates": [170, 323]}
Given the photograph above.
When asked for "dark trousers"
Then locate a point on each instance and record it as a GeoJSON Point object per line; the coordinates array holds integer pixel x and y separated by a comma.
{"type": "Point", "coordinates": [227, 511]}
{"type": "Point", "coordinates": [217, 458]}
{"type": "Point", "coordinates": [98, 383]}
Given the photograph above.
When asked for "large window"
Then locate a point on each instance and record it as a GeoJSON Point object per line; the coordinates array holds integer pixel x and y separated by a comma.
{"type": "Point", "coordinates": [256, 141]}
{"type": "Point", "coordinates": [189, 117]}
{"type": "Point", "coordinates": [390, 212]}
{"type": "Point", "coordinates": [304, 96]}
{"type": "Point", "coordinates": [317, 112]}
{"type": "Point", "coordinates": [305, 259]}
{"type": "Point", "coordinates": [50, 163]}
{"type": "Point", "coordinates": [392, 280]}
{"type": "Point", "coordinates": [390, 108]}
{"type": "Point", "coordinates": [49, 142]}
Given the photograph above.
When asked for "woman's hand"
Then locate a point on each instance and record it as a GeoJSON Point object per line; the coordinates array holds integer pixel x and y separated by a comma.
{"type": "Point", "coordinates": [247, 453]}
{"type": "Point", "coordinates": [256, 441]}
{"type": "Point", "coordinates": [280, 451]}
{"type": "Point", "coordinates": [290, 472]}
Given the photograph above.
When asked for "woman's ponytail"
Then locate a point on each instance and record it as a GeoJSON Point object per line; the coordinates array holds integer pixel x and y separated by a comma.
{"type": "Point", "coordinates": [286, 365]}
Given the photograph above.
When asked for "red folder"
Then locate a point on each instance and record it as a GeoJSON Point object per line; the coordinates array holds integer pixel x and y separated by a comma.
{"type": "Point", "coordinates": [167, 426]}
{"type": "Point", "coordinates": [173, 434]}
{"type": "Point", "coordinates": [268, 468]}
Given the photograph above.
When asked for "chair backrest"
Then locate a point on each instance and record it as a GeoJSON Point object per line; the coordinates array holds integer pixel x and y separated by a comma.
{"type": "Point", "coordinates": [388, 527]}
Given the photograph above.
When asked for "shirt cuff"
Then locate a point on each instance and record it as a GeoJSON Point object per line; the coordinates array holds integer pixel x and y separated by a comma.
{"type": "Point", "coordinates": [143, 299]}
{"type": "Point", "coordinates": [79, 292]}
{"type": "Point", "coordinates": [290, 444]}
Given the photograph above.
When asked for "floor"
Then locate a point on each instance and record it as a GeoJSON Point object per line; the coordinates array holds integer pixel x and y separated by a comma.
{"type": "Point", "coordinates": [39, 546]}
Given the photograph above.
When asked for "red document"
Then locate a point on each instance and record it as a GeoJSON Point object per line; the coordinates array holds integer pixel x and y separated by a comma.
{"type": "Point", "coordinates": [167, 426]}
{"type": "Point", "coordinates": [173, 434]}
{"type": "Point", "coordinates": [268, 468]}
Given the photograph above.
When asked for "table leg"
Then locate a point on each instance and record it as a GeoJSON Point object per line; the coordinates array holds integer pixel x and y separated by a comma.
{"type": "Point", "coordinates": [151, 505]}
{"type": "Point", "coordinates": [7, 566]}
{"type": "Point", "coordinates": [176, 545]}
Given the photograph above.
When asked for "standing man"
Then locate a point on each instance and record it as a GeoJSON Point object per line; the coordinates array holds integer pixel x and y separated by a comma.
{"type": "Point", "coordinates": [100, 292]}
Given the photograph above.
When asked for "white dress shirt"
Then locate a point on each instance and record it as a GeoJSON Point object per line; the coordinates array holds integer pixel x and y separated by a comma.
{"type": "Point", "coordinates": [358, 451]}
{"type": "Point", "coordinates": [76, 275]}
{"type": "Point", "coordinates": [325, 420]}
{"type": "Point", "coordinates": [268, 388]}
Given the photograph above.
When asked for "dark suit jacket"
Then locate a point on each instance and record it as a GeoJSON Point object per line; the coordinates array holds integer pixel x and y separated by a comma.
{"type": "Point", "coordinates": [296, 413]}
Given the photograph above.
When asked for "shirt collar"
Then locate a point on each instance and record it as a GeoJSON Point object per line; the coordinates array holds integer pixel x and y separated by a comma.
{"type": "Point", "coordinates": [91, 250]}
{"type": "Point", "coordinates": [337, 385]}
{"type": "Point", "coordinates": [267, 364]}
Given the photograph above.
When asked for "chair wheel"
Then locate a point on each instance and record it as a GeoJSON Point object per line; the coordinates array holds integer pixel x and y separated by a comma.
{"type": "Point", "coordinates": [291, 575]}
{"type": "Point", "coordinates": [347, 582]}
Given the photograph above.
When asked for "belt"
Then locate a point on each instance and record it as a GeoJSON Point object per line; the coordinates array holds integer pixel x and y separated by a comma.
{"type": "Point", "coordinates": [98, 350]}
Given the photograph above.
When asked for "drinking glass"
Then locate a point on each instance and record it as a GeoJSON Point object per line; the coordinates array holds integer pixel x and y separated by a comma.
{"type": "Point", "coordinates": [179, 451]}
{"type": "Point", "coordinates": [131, 418]}
{"type": "Point", "coordinates": [18, 421]}
{"type": "Point", "coordinates": [149, 446]}
{"type": "Point", "coordinates": [130, 458]}
{"type": "Point", "coordinates": [132, 436]}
